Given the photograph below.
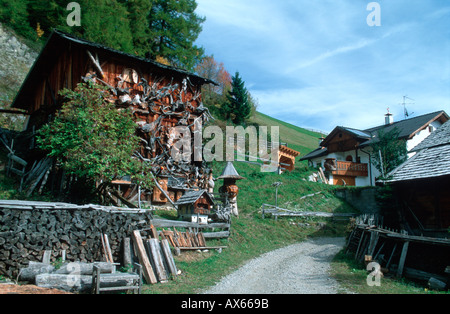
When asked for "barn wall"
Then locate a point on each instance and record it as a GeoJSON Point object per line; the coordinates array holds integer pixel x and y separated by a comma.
{"type": "Point", "coordinates": [429, 201]}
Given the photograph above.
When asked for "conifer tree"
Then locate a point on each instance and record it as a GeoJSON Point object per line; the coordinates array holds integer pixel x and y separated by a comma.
{"type": "Point", "coordinates": [174, 27]}
{"type": "Point", "coordinates": [157, 29]}
{"type": "Point", "coordinates": [238, 107]}
{"type": "Point", "coordinates": [106, 22]}
{"type": "Point", "coordinates": [139, 11]}
{"type": "Point", "coordinates": [14, 14]}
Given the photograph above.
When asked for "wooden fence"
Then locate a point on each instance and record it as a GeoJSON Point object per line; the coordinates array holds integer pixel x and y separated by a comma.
{"type": "Point", "coordinates": [209, 228]}
{"type": "Point", "coordinates": [281, 212]}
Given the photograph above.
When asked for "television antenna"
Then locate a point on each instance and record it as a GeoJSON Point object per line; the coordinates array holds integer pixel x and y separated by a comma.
{"type": "Point", "coordinates": [405, 111]}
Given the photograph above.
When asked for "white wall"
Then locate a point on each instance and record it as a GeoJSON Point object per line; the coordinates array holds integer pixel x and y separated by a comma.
{"type": "Point", "coordinates": [420, 136]}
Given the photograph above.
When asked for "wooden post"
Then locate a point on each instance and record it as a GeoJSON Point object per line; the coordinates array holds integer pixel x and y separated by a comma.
{"type": "Point", "coordinates": [109, 257]}
{"type": "Point", "coordinates": [46, 257]}
{"type": "Point", "coordinates": [322, 174]}
{"type": "Point", "coordinates": [364, 248]}
{"type": "Point", "coordinates": [401, 264]}
{"type": "Point", "coordinates": [373, 242]}
{"type": "Point", "coordinates": [149, 275]}
{"type": "Point", "coordinates": [379, 251]}
{"type": "Point", "coordinates": [392, 255]}
{"type": "Point", "coordinates": [127, 256]}
{"type": "Point", "coordinates": [359, 244]}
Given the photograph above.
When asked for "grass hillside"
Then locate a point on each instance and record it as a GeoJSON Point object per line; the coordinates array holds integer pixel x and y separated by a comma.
{"type": "Point", "coordinates": [297, 138]}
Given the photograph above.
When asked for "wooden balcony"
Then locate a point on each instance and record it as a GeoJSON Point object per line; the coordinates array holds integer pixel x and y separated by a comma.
{"type": "Point", "coordinates": [347, 168]}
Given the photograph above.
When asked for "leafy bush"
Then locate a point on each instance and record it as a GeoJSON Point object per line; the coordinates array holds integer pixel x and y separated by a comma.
{"type": "Point", "coordinates": [91, 137]}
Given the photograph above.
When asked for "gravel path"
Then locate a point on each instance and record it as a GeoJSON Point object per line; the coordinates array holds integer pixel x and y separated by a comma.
{"type": "Point", "coordinates": [297, 269]}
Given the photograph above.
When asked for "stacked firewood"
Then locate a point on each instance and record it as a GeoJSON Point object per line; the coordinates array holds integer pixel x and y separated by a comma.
{"type": "Point", "coordinates": [27, 231]}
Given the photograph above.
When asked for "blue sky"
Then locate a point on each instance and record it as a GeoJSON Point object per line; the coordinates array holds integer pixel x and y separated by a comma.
{"type": "Point", "coordinates": [318, 64]}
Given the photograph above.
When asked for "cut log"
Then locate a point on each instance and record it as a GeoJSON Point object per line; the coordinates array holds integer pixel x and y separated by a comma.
{"type": "Point", "coordinates": [421, 275]}
{"type": "Point", "coordinates": [436, 284]}
{"type": "Point", "coordinates": [153, 232]}
{"type": "Point", "coordinates": [46, 257]}
{"type": "Point", "coordinates": [34, 268]}
{"type": "Point", "coordinates": [78, 268]}
{"type": "Point", "coordinates": [202, 248]}
{"type": "Point", "coordinates": [109, 257]}
{"type": "Point", "coordinates": [82, 283]}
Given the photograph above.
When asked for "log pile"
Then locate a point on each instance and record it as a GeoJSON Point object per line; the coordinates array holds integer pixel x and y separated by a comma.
{"type": "Point", "coordinates": [76, 276]}
{"type": "Point", "coordinates": [27, 230]}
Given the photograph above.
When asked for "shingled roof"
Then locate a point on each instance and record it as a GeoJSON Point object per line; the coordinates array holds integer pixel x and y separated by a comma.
{"type": "Point", "coordinates": [432, 158]}
{"type": "Point", "coordinates": [407, 128]}
{"type": "Point", "coordinates": [192, 196]}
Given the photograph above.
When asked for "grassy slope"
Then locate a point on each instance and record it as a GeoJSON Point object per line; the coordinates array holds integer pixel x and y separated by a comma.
{"type": "Point", "coordinates": [298, 138]}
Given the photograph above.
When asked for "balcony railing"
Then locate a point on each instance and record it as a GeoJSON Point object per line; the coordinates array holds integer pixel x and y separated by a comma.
{"type": "Point", "coordinates": [351, 169]}
{"type": "Point", "coordinates": [347, 168]}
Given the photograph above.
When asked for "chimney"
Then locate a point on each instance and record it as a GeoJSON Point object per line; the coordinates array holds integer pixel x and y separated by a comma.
{"type": "Point", "coordinates": [389, 118]}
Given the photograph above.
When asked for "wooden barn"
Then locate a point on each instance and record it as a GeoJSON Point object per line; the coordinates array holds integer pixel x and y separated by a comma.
{"type": "Point", "coordinates": [161, 97]}
{"type": "Point", "coordinates": [422, 184]}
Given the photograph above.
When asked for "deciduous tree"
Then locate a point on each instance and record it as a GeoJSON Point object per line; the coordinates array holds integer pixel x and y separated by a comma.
{"type": "Point", "coordinates": [90, 137]}
{"type": "Point", "coordinates": [389, 151]}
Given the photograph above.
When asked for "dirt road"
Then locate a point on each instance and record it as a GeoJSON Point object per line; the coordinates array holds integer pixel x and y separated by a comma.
{"type": "Point", "coordinates": [297, 269]}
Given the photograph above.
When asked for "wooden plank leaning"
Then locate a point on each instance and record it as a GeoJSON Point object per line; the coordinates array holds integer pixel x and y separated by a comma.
{"type": "Point", "coordinates": [148, 273]}
{"type": "Point", "coordinates": [401, 263]}
{"type": "Point", "coordinates": [169, 257]}
{"type": "Point", "coordinates": [157, 260]}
